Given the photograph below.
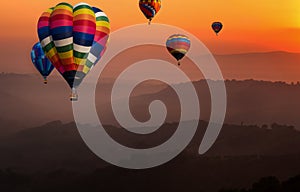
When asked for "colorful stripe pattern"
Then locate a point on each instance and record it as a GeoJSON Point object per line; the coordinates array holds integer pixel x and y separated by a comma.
{"type": "Point", "coordinates": [40, 61]}
{"type": "Point", "coordinates": [100, 39]}
{"type": "Point", "coordinates": [217, 27]}
{"type": "Point", "coordinates": [150, 8]}
{"type": "Point", "coordinates": [178, 45]}
{"type": "Point", "coordinates": [47, 41]}
{"type": "Point", "coordinates": [61, 30]}
{"type": "Point", "coordinates": [72, 33]}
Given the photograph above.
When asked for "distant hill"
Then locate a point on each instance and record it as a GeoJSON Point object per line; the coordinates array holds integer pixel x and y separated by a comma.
{"type": "Point", "coordinates": [27, 102]}
{"type": "Point", "coordinates": [268, 66]}
{"type": "Point", "coordinates": [248, 102]}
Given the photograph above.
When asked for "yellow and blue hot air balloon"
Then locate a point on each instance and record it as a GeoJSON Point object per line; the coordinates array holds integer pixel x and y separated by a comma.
{"type": "Point", "coordinates": [74, 39]}
{"type": "Point", "coordinates": [40, 61]}
{"type": "Point", "coordinates": [178, 45]}
{"type": "Point", "coordinates": [150, 8]}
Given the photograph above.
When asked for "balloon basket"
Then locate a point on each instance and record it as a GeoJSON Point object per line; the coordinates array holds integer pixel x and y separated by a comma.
{"type": "Point", "coordinates": [45, 81]}
{"type": "Point", "coordinates": [178, 63]}
{"type": "Point", "coordinates": [74, 95]}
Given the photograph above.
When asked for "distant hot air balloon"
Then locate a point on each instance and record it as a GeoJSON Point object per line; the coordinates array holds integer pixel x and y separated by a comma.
{"type": "Point", "coordinates": [178, 45]}
{"type": "Point", "coordinates": [74, 39]}
{"type": "Point", "coordinates": [40, 61]}
{"type": "Point", "coordinates": [150, 8]}
{"type": "Point", "coordinates": [217, 27]}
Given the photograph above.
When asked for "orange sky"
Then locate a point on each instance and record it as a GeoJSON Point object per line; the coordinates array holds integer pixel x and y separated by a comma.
{"type": "Point", "coordinates": [249, 25]}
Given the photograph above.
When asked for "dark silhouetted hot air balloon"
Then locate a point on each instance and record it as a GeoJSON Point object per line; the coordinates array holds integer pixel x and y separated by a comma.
{"type": "Point", "coordinates": [150, 8]}
{"type": "Point", "coordinates": [217, 27]}
{"type": "Point", "coordinates": [178, 45]}
{"type": "Point", "coordinates": [40, 61]}
{"type": "Point", "coordinates": [74, 39]}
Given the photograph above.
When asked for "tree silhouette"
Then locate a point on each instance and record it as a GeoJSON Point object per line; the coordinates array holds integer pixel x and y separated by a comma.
{"type": "Point", "coordinates": [267, 184]}
{"type": "Point", "coordinates": [292, 185]}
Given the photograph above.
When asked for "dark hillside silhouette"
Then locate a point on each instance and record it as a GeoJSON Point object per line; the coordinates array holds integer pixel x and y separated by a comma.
{"type": "Point", "coordinates": [54, 157]}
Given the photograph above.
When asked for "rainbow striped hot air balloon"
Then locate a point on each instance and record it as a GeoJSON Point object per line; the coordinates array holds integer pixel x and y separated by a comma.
{"type": "Point", "coordinates": [150, 8]}
{"type": "Point", "coordinates": [178, 45]}
{"type": "Point", "coordinates": [74, 39]}
{"type": "Point", "coordinates": [40, 61]}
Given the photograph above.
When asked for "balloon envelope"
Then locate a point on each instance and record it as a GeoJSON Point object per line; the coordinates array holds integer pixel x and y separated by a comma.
{"type": "Point", "coordinates": [40, 61]}
{"type": "Point", "coordinates": [74, 39]}
{"type": "Point", "coordinates": [178, 45]}
{"type": "Point", "coordinates": [150, 8]}
{"type": "Point", "coordinates": [217, 27]}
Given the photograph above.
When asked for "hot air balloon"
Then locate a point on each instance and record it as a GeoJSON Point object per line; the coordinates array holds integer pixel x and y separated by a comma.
{"type": "Point", "coordinates": [40, 61]}
{"type": "Point", "coordinates": [74, 39]}
{"type": "Point", "coordinates": [178, 45]}
{"type": "Point", "coordinates": [150, 8]}
{"type": "Point", "coordinates": [217, 27]}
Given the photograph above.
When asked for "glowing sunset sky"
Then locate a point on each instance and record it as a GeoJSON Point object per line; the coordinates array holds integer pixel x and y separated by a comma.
{"type": "Point", "coordinates": [249, 25]}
